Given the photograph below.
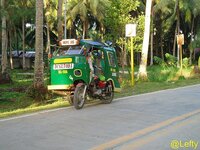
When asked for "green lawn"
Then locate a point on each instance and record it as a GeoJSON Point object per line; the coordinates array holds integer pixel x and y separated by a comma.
{"type": "Point", "coordinates": [15, 101]}
{"type": "Point", "coordinates": [146, 87]}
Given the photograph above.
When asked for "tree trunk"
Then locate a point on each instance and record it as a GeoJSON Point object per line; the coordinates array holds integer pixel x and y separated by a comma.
{"type": "Point", "coordinates": [145, 46]}
{"type": "Point", "coordinates": [70, 32]}
{"type": "Point", "coordinates": [4, 77]}
{"type": "Point", "coordinates": [10, 46]}
{"type": "Point", "coordinates": [48, 47]}
{"type": "Point", "coordinates": [178, 30]}
{"type": "Point", "coordinates": [59, 18]}
{"type": "Point", "coordinates": [151, 61]}
{"type": "Point", "coordinates": [161, 46]}
{"type": "Point", "coordinates": [85, 29]}
{"type": "Point", "coordinates": [152, 32]}
{"type": "Point", "coordinates": [174, 45]}
{"type": "Point", "coordinates": [191, 48]}
{"type": "Point", "coordinates": [23, 43]}
{"type": "Point", "coordinates": [124, 56]}
{"type": "Point", "coordinates": [39, 67]}
{"type": "Point", "coordinates": [4, 41]}
{"type": "Point", "coordinates": [47, 5]}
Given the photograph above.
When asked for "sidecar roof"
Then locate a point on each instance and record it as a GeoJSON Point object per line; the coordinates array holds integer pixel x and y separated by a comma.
{"type": "Point", "coordinates": [92, 43]}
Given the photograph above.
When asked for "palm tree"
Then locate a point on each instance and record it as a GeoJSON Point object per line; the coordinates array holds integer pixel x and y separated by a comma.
{"type": "Point", "coordinates": [84, 9]}
{"type": "Point", "coordinates": [76, 8]}
{"type": "Point", "coordinates": [143, 63]}
{"type": "Point", "coordinates": [39, 67]}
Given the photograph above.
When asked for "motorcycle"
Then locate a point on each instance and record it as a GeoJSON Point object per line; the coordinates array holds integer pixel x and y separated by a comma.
{"type": "Point", "coordinates": [97, 89]}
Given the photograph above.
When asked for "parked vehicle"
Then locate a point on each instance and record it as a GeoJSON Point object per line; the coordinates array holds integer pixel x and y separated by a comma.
{"type": "Point", "coordinates": [82, 69]}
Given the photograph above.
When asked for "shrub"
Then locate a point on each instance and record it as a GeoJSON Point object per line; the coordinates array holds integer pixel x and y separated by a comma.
{"type": "Point", "coordinates": [186, 62]}
{"type": "Point", "coordinates": [171, 60]}
{"type": "Point", "coordinates": [159, 61]}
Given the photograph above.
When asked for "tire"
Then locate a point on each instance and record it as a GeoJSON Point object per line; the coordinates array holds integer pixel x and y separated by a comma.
{"type": "Point", "coordinates": [79, 96]}
{"type": "Point", "coordinates": [107, 99]}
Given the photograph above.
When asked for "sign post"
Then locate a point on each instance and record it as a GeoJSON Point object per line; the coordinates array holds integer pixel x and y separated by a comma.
{"type": "Point", "coordinates": [131, 32]}
{"type": "Point", "coordinates": [180, 42]}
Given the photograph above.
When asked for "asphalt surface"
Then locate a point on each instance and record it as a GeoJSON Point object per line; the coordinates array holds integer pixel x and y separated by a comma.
{"type": "Point", "coordinates": [150, 121]}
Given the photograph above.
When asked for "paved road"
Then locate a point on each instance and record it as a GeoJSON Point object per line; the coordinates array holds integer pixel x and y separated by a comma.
{"type": "Point", "coordinates": [150, 121]}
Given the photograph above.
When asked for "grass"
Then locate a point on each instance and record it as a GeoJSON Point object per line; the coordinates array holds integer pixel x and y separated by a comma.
{"type": "Point", "coordinates": [16, 102]}
{"type": "Point", "coordinates": [160, 78]}
{"type": "Point", "coordinates": [151, 86]}
{"type": "Point", "coordinates": [34, 107]}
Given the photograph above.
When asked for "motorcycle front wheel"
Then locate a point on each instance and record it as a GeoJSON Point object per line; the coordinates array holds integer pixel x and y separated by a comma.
{"type": "Point", "coordinates": [79, 96]}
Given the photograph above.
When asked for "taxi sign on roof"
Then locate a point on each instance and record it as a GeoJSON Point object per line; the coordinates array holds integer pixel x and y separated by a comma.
{"type": "Point", "coordinates": [66, 42]}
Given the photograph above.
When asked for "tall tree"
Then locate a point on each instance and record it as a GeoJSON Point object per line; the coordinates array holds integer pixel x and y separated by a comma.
{"type": "Point", "coordinates": [120, 13]}
{"type": "Point", "coordinates": [39, 66]}
{"type": "Point", "coordinates": [145, 46]}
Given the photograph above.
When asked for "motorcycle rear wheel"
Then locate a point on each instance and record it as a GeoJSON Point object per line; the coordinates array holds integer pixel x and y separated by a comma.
{"type": "Point", "coordinates": [107, 99]}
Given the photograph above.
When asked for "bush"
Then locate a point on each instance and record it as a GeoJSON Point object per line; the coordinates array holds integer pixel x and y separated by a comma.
{"type": "Point", "coordinates": [161, 74]}
{"type": "Point", "coordinates": [171, 60]}
{"type": "Point", "coordinates": [186, 62]}
{"type": "Point", "coordinates": [159, 61]}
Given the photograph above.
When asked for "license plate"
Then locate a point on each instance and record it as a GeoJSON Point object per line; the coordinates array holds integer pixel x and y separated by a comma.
{"type": "Point", "coordinates": [63, 66]}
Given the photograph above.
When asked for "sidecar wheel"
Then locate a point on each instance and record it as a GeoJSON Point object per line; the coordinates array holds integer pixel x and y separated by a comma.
{"type": "Point", "coordinates": [79, 96]}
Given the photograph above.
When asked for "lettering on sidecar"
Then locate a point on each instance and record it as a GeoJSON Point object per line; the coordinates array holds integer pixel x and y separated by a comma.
{"type": "Point", "coordinates": [63, 66]}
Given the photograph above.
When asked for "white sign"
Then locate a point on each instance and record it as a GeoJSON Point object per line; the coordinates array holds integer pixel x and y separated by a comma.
{"type": "Point", "coordinates": [66, 42]}
{"type": "Point", "coordinates": [63, 66]}
{"type": "Point", "coordinates": [130, 30]}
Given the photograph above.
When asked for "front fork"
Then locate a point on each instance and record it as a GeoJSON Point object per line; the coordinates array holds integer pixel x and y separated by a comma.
{"type": "Point", "coordinates": [85, 88]}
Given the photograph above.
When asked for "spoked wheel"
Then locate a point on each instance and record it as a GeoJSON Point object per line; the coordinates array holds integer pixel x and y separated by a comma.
{"type": "Point", "coordinates": [80, 96]}
{"type": "Point", "coordinates": [109, 95]}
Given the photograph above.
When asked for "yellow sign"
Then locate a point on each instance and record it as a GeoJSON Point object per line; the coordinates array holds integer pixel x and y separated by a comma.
{"type": "Point", "coordinates": [62, 60]}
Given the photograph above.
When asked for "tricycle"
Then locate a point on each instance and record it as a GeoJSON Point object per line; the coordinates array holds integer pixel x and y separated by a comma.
{"type": "Point", "coordinates": [84, 69]}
